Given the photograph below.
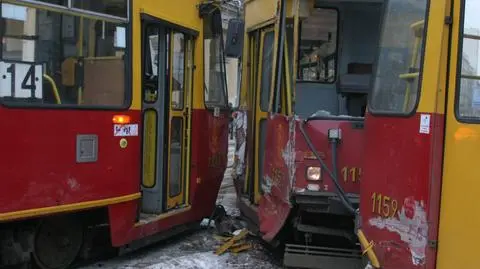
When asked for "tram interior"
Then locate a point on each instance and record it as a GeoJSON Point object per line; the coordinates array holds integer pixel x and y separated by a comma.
{"type": "Point", "coordinates": [337, 50]}
{"type": "Point", "coordinates": [82, 59]}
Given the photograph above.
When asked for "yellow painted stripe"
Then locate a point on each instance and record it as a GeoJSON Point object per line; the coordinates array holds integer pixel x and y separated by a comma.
{"type": "Point", "coordinates": [163, 216]}
{"type": "Point", "coordinates": [36, 212]}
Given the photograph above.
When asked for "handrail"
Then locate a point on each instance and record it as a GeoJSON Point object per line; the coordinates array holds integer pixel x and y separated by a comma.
{"type": "Point", "coordinates": [54, 88]}
{"type": "Point", "coordinates": [368, 249]}
{"type": "Point", "coordinates": [417, 28]}
{"type": "Point", "coordinates": [408, 76]}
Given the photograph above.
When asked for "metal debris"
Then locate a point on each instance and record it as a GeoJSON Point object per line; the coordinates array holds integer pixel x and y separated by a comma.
{"type": "Point", "coordinates": [235, 243]}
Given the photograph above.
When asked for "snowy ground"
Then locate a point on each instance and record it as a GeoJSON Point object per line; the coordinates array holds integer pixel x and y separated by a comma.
{"type": "Point", "coordinates": [195, 251]}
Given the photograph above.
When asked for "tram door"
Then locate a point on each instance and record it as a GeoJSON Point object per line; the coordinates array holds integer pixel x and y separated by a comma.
{"type": "Point", "coordinates": [166, 91]}
{"type": "Point", "coordinates": [260, 74]}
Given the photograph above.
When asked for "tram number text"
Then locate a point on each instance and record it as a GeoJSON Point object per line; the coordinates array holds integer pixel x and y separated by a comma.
{"type": "Point", "coordinates": [125, 130]}
{"type": "Point", "coordinates": [215, 160]}
{"type": "Point", "coordinates": [384, 205]}
{"type": "Point", "coordinates": [21, 80]}
{"type": "Point", "coordinates": [352, 174]}
{"type": "Point", "coordinates": [277, 175]}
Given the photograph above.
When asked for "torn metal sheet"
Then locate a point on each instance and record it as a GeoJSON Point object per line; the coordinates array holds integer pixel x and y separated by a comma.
{"type": "Point", "coordinates": [240, 127]}
{"type": "Point", "coordinates": [278, 176]}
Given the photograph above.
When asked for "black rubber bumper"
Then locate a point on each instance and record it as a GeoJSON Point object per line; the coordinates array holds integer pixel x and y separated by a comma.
{"type": "Point", "coordinates": [324, 202]}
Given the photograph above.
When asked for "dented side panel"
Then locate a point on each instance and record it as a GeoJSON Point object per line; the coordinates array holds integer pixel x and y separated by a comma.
{"type": "Point", "coordinates": [240, 127]}
{"type": "Point", "coordinates": [276, 184]}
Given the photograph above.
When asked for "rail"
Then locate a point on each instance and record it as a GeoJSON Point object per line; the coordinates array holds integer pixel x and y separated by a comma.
{"type": "Point", "coordinates": [54, 88]}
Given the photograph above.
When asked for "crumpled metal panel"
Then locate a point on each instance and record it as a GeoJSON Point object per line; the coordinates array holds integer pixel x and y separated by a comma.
{"type": "Point", "coordinates": [240, 129]}
{"type": "Point", "coordinates": [278, 178]}
{"type": "Point", "coordinates": [240, 124]}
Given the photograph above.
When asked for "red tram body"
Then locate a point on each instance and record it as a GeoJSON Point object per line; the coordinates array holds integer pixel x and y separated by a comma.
{"type": "Point", "coordinates": [80, 144]}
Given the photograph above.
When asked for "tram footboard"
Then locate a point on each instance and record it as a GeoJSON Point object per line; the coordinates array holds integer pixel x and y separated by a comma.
{"type": "Point", "coordinates": [303, 256]}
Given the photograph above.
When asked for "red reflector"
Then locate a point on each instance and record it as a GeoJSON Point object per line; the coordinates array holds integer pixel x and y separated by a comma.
{"type": "Point", "coordinates": [121, 119]}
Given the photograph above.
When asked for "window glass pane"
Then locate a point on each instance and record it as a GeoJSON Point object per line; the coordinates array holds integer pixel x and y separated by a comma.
{"type": "Point", "coordinates": [267, 69]}
{"type": "Point", "coordinates": [214, 64]}
{"type": "Point", "coordinates": [111, 7]}
{"type": "Point", "coordinates": [175, 179]}
{"type": "Point", "coordinates": [150, 69]}
{"type": "Point", "coordinates": [53, 58]}
{"type": "Point", "coordinates": [318, 46]}
{"type": "Point", "coordinates": [469, 96]}
{"type": "Point", "coordinates": [398, 69]}
{"type": "Point", "coordinates": [178, 70]}
{"type": "Point", "coordinates": [290, 45]}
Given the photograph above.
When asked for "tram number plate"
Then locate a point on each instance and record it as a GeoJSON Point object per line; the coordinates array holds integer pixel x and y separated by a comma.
{"type": "Point", "coordinates": [125, 130]}
{"type": "Point", "coordinates": [21, 80]}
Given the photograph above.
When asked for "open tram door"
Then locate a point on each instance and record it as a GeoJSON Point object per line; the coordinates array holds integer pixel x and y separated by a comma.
{"type": "Point", "coordinates": [266, 102]}
{"type": "Point", "coordinates": [167, 55]}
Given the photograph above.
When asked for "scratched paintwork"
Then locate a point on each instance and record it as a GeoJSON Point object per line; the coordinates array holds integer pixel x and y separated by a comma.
{"type": "Point", "coordinates": [410, 223]}
{"type": "Point", "coordinates": [405, 166]}
{"type": "Point", "coordinates": [350, 152]}
{"type": "Point", "coordinates": [275, 205]}
{"type": "Point", "coordinates": [285, 163]}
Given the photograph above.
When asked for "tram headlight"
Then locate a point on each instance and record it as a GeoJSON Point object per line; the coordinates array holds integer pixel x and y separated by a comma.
{"type": "Point", "coordinates": [314, 173]}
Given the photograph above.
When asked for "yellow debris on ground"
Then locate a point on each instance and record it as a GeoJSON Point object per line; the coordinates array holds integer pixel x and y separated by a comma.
{"type": "Point", "coordinates": [234, 243]}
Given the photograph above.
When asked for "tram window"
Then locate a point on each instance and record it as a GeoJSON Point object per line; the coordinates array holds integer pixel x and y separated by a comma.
{"type": "Point", "coordinates": [214, 62]}
{"type": "Point", "coordinates": [469, 92]}
{"type": "Point", "coordinates": [52, 58]}
{"type": "Point", "coordinates": [176, 148]}
{"type": "Point", "coordinates": [317, 59]}
{"type": "Point", "coordinates": [178, 70]}
{"type": "Point", "coordinates": [150, 68]}
{"type": "Point", "coordinates": [266, 72]}
{"type": "Point", "coordinates": [398, 71]}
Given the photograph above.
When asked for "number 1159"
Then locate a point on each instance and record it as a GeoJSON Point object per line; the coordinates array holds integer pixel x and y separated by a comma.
{"type": "Point", "coordinates": [384, 205]}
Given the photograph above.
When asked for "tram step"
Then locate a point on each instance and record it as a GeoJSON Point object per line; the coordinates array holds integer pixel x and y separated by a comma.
{"type": "Point", "coordinates": [313, 257]}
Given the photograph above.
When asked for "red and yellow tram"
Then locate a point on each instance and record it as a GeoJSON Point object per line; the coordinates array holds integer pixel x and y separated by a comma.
{"type": "Point", "coordinates": [307, 66]}
{"type": "Point", "coordinates": [114, 115]}
{"type": "Point", "coordinates": [419, 188]}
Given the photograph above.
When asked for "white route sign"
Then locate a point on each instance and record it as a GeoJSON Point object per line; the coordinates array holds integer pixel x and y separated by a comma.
{"type": "Point", "coordinates": [21, 80]}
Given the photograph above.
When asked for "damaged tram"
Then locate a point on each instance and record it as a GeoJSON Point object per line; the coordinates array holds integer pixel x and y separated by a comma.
{"type": "Point", "coordinates": [420, 186]}
{"type": "Point", "coordinates": [115, 124]}
{"type": "Point", "coordinates": [306, 77]}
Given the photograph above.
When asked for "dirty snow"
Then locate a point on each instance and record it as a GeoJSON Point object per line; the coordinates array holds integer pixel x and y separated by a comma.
{"type": "Point", "coordinates": [196, 250]}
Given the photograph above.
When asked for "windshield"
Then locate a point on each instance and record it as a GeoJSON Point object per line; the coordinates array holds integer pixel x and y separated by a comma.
{"type": "Point", "coordinates": [58, 55]}
{"type": "Point", "coordinates": [399, 64]}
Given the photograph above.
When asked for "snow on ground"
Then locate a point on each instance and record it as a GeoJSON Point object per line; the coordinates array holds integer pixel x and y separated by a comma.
{"type": "Point", "coordinates": [196, 250]}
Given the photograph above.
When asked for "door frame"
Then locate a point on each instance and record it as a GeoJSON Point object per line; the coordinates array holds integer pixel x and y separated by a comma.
{"type": "Point", "coordinates": [160, 187]}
